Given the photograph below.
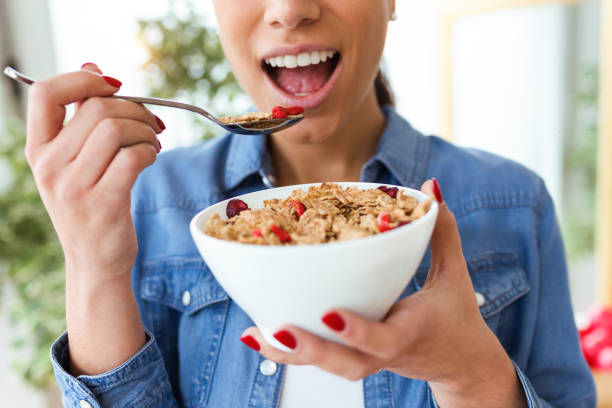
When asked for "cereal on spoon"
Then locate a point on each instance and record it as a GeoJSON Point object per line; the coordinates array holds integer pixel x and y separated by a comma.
{"type": "Point", "coordinates": [324, 213]}
{"type": "Point", "coordinates": [277, 113]}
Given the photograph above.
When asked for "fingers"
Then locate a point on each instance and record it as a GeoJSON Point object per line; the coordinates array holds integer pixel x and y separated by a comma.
{"type": "Point", "coordinates": [67, 145]}
{"type": "Point", "coordinates": [91, 67]}
{"type": "Point", "coordinates": [311, 349]}
{"type": "Point", "coordinates": [446, 250]}
{"type": "Point", "coordinates": [121, 174]}
{"type": "Point", "coordinates": [99, 150]}
{"type": "Point", "coordinates": [48, 98]}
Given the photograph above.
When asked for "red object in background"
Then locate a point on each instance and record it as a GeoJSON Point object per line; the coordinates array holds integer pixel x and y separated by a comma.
{"type": "Point", "coordinates": [596, 339]}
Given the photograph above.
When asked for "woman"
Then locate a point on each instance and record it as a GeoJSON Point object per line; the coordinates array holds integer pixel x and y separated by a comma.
{"type": "Point", "coordinates": [488, 322]}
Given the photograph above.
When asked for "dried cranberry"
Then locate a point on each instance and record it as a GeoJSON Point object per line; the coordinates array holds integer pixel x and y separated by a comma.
{"type": "Point", "coordinates": [294, 110]}
{"type": "Point", "coordinates": [384, 222]}
{"type": "Point", "coordinates": [279, 114]}
{"type": "Point", "coordinates": [402, 223]}
{"type": "Point", "coordinates": [281, 234]}
{"type": "Point", "coordinates": [235, 207]}
{"type": "Point", "coordinates": [392, 191]}
{"type": "Point", "coordinates": [298, 207]}
{"type": "Point", "coordinates": [257, 233]}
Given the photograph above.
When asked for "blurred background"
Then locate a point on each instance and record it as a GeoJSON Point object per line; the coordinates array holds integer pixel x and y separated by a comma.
{"type": "Point", "coordinates": [518, 78]}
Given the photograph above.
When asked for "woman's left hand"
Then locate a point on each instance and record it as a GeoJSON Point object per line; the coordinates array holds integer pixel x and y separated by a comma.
{"type": "Point", "coordinates": [437, 335]}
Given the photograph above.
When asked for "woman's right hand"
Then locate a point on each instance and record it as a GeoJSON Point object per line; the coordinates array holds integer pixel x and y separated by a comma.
{"type": "Point", "coordinates": [85, 169]}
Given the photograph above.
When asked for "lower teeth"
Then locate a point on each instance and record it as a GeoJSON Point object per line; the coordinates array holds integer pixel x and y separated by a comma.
{"type": "Point", "coordinates": [301, 94]}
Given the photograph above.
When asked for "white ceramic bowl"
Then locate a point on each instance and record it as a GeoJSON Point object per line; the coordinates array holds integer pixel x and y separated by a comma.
{"type": "Point", "coordinates": [297, 285]}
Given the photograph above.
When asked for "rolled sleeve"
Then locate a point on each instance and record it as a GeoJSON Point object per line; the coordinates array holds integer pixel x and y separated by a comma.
{"type": "Point", "coordinates": [530, 394]}
{"type": "Point", "coordinates": [140, 381]}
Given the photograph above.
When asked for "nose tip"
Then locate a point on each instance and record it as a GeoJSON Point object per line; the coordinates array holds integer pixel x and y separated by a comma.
{"type": "Point", "coordinates": [292, 14]}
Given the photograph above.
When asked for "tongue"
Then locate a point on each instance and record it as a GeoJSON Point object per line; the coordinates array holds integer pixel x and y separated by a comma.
{"type": "Point", "coordinates": [304, 79]}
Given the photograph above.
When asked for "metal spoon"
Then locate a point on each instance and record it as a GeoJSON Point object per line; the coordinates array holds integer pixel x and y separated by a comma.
{"type": "Point", "coordinates": [257, 127]}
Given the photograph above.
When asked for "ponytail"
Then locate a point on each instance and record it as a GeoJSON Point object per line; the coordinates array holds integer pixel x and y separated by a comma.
{"type": "Point", "coordinates": [384, 93]}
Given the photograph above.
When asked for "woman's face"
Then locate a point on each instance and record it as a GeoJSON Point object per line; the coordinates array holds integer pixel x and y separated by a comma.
{"type": "Point", "coordinates": [322, 55]}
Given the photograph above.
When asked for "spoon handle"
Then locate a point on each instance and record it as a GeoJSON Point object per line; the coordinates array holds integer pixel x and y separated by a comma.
{"type": "Point", "coordinates": [18, 76]}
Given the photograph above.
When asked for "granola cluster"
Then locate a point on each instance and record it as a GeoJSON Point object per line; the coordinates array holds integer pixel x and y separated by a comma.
{"type": "Point", "coordinates": [324, 213]}
{"type": "Point", "coordinates": [247, 117]}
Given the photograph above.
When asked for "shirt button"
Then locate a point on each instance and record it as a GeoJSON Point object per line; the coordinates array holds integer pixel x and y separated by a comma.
{"type": "Point", "coordinates": [480, 299]}
{"type": "Point", "coordinates": [268, 367]}
{"type": "Point", "coordinates": [84, 404]}
{"type": "Point", "coordinates": [186, 298]}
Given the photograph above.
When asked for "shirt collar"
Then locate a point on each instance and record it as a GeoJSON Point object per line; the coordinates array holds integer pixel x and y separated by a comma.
{"type": "Point", "coordinates": [245, 157]}
{"type": "Point", "coordinates": [401, 150]}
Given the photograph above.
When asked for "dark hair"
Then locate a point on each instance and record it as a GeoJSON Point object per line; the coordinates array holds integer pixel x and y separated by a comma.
{"type": "Point", "coordinates": [384, 93]}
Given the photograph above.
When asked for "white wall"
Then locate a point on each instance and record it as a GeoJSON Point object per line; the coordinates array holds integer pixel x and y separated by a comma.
{"type": "Point", "coordinates": [509, 77]}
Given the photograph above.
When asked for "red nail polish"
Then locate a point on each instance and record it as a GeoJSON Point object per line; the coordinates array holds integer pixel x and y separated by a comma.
{"type": "Point", "coordinates": [160, 123]}
{"type": "Point", "coordinates": [86, 64]}
{"type": "Point", "coordinates": [437, 191]}
{"type": "Point", "coordinates": [286, 338]}
{"type": "Point", "coordinates": [112, 81]}
{"type": "Point", "coordinates": [334, 321]}
{"type": "Point", "coordinates": [251, 342]}
{"type": "Point", "coordinates": [159, 144]}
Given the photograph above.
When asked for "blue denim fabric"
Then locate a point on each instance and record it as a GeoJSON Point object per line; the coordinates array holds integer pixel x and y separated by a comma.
{"type": "Point", "coordinates": [194, 357]}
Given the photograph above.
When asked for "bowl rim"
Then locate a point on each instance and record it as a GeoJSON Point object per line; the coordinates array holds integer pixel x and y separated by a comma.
{"type": "Point", "coordinates": [419, 195]}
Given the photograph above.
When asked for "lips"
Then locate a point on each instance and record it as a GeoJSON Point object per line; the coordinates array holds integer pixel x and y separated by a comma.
{"type": "Point", "coordinates": [303, 76]}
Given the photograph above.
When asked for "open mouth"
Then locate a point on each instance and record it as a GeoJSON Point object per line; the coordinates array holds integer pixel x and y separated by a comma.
{"type": "Point", "coordinates": [303, 77]}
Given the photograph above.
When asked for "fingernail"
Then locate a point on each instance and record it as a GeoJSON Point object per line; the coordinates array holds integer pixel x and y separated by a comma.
{"type": "Point", "coordinates": [286, 338]}
{"type": "Point", "coordinates": [160, 122]}
{"type": "Point", "coordinates": [437, 191]}
{"type": "Point", "coordinates": [251, 342]}
{"type": "Point", "coordinates": [112, 81]}
{"type": "Point", "coordinates": [334, 321]}
{"type": "Point", "coordinates": [159, 144]}
{"type": "Point", "coordinates": [86, 64]}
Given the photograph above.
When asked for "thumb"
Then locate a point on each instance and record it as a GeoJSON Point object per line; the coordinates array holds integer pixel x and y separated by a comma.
{"type": "Point", "coordinates": [446, 253]}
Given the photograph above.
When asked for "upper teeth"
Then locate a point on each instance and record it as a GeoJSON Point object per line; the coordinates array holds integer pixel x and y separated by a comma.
{"type": "Point", "coordinates": [301, 60]}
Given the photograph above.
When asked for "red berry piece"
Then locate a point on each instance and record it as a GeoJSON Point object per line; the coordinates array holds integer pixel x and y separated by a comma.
{"type": "Point", "coordinates": [294, 110]}
{"type": "Point", "coordinates": [281, 234]}
{"type": "Point", "coordinates": [298, 207]}
{"type": "Point", "coordinates": [235, 207]}
{"type": "Point", "coordinates": [279, 114]}
{"type": "Point", "coordinates": [402, 223]}
{"type": "Point", "coordinates": [384, 222]}
{"type": "Point", "coordinates": [383, 189]}
{"type": "Point", "coordinates": [257, 233]}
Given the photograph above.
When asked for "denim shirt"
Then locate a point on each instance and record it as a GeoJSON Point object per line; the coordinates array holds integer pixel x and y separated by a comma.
{"type": "Point", "coordinates": [194, 358]}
